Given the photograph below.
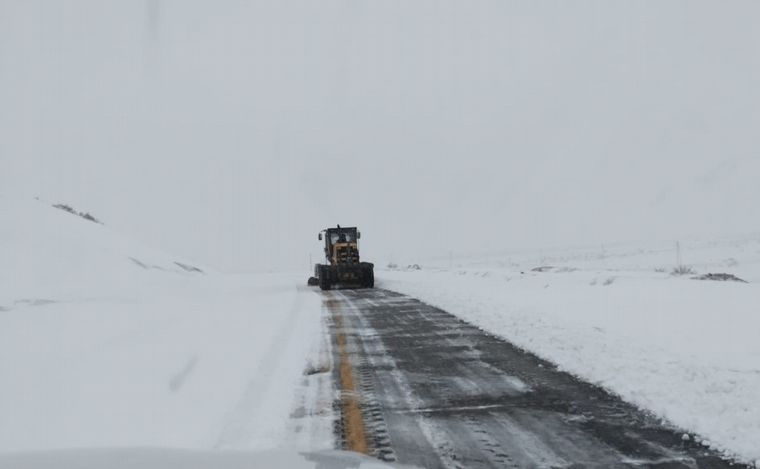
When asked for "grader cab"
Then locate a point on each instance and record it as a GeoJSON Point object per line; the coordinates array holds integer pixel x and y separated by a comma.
{"type": "Point", "coordinates": [343, 267]}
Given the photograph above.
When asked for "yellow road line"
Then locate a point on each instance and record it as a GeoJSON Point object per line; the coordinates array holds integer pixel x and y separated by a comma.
{"type": "Point", "coordinates": [353, 423]}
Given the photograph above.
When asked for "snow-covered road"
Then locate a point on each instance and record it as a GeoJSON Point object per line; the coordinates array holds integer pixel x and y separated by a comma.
{"type": "Point", "coordinates": [440, 393]}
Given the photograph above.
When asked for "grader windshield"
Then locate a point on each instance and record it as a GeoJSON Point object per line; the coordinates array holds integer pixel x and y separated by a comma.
{"type": "Point", "coordinates": [341, 235]}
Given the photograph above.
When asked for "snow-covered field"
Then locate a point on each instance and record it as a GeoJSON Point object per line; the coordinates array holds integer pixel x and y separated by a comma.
{"type": "Point", "coordinates": [688, 350]}
{"type": "Point", "coordinates": [105, 343]}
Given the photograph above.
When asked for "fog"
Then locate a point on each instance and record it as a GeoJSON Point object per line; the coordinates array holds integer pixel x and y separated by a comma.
{"type": "Point", "coordinates": [231, 132]}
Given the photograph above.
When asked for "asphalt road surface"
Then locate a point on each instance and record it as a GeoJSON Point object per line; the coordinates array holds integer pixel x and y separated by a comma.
{"type": "Point", "coordinates": [422, 387]}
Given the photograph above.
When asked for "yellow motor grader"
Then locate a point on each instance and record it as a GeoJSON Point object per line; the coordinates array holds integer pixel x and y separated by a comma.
{"type": "Point", "coordinates": [343, 266]}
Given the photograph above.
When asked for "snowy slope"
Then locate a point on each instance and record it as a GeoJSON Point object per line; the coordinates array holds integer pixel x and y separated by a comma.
{"type": "Point", "coordinates": [107, 343]}
{"type": "Point", "coordinates": [685, 349]}
{"type": "Point", "coordinates": [49, 253]}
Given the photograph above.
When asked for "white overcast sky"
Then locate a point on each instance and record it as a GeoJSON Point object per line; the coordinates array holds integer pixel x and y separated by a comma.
{"type": "Point", "coordinates": [230, 132]}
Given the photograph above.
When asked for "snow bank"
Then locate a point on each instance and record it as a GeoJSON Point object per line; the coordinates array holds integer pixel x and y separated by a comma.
{"type": "Point", "coordinates": [107, 343]}
{"type": "Point", "coordinates": [685, 349]}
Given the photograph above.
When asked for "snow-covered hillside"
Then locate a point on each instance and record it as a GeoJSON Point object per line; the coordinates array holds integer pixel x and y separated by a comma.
{"type": "Point", "coordinates": [685, 349]}
{"type": "Point", "coordinates": [107, 343]}
{"type": "Point", "coordinates": [51, 255]}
